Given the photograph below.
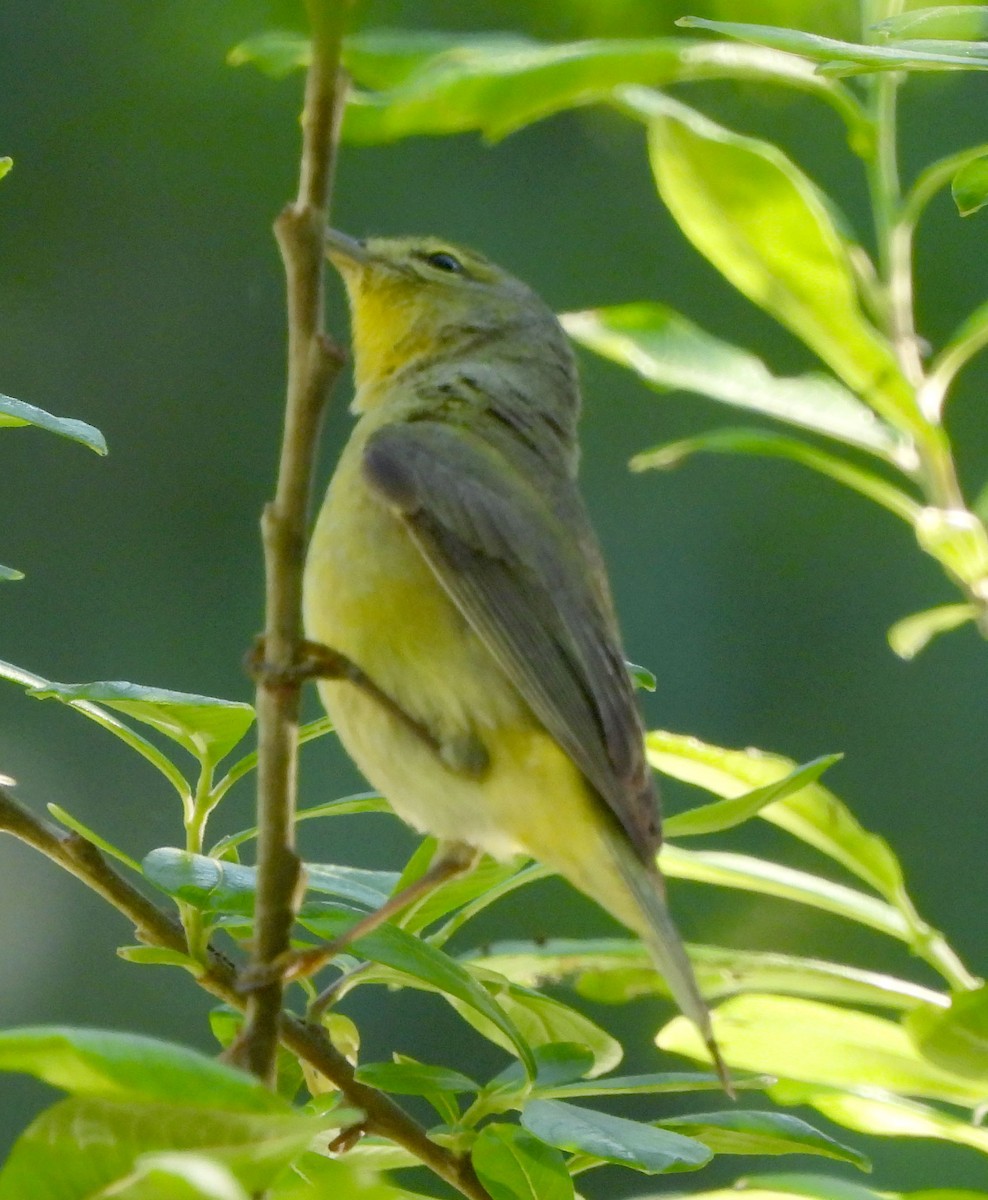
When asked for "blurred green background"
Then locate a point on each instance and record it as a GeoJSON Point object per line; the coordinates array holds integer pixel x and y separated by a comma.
{"type": "Point", "coordinates": [140, 290]}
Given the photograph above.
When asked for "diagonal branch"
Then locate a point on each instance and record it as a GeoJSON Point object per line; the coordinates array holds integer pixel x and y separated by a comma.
{"type": "Point", "coordinates": [155, 927]}
{"type": "Point", "coordinates": [313, 362]}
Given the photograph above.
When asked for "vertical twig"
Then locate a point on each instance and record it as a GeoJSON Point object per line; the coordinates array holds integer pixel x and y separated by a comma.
{"type": "Point", "coordinates": [313, 360]}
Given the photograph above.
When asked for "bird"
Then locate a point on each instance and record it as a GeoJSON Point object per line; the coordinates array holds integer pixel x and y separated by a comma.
{"type": "Point", "coordinates": [458, 591]}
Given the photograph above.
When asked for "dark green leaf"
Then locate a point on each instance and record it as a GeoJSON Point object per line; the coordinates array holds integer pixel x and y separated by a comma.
{"type": "Point", "coordinates": [765, 226]}
{"type": "Point", "coordinates": [847, 1049]}
{"type": "Point", "coordinates": [206, 727]}
{"type": "Point", "coordinates": [911, 634]}
{"type": "Point", "coordinates": [961, 21]}
{"type": "Point", "coordinates": [92, 1062]}
{"type": "Point", "coordinates": [643, 679]}
{"type": "Point", "coordinates": [612, 1139]}
{"type": "Point", "coordinates": [749, 1132]}
{"type": "Point", "coordinates": [773, 445]}
{"type": "Point", "coordinates": [82, 1145]}
{"type": "Point", "coordinates": [435, 83]}
{"type": "Point", "coordinates": [955, 1038]}
{"type": "Point", "coordinates": [513, 1165]}
{"type": "Point", "coordinates": [969, 187]}
{"type": "Point", "coordinates": [16, 412]}
{"type": "Point", "coordinates": [668, 351]}
{"type": "Point", "coordinates": [848, 55]}
{"type": "Point", "coordinates": [725, 814]}
{"type": "Point", "coordinates": [409, 1078]}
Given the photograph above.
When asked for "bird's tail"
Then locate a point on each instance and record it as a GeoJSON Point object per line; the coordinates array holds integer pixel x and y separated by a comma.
{"type": "Point", "coordinates": [661, 937]}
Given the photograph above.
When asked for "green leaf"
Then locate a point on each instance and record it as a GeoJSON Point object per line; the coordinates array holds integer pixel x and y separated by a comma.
{"type": "Point", "coordinates": [442, 83]}
{"type": "Point", "coordinates": [773, 445]}
{"type": "Point", "coordinates": [726, 814]}
{"type": "Point", "coordinates": [93, 1062]}
{"type": "Point", "coordinates": [9, 574]}
{"type": "Point", "coordinates": [485, 883]}
{"type": "Point", "coordinates": [958, 540]}
{"type": "Point", "coordinates": [765, 226]}
{"type": "Point", "coordinates": [768, 878]}
{"type": "Point", "coordinates": [669, 351]}
{"type": "Point", "coordinates": [425, 964]}
{"type": "Point", "coordinates": [410, 1078]}
{"type": "Point", "coordinates": [969, 187]}
{"type": "Point", "coordinates": [208, 728]}
{"type": "Point", "coordinates": [614, 971]}
{"type": "Point", "coordinates": [361, 802]}
{"type": "Point", "coordinates": [956, 1039]}
{"type": "Point", "coordinates": [911, 634]}
{"type": "Point", "coordinates": [5, 164]}
{"type": "Point", "coordinates": [818, 1188]}
{"type": "Point", "coordinates": [15, 413]}
{"type": "Point", "coordinates": [750, 1132]}
{"type": "Point", "coordinates": [613, 1139]}
{"type": "Point", "coordinates": [849, 57]}
{"type": "Point", "coordinates": [81, 1145]}
{"type": "Point", "coordinates": [541, 1020]}
{"type": "Point", "coordinates": [961, 21]}
{"type": "Point", "coordinates": [178, 1176]}
{"type": "Point", "coordinates": [847, 1049]}
{"type": "Point", "coordinates": [643, 679]}
{"type": "Point", "coordinates": [556, 1064]}
{"type": "Point", "coordinates": [513, 1165]}
{"type": "Point", "coordinates": [276, 52]}
{"type": "Point", "coordinates": [334, 1179]}
{"type": "Point", "coordinates": [876, 1113]}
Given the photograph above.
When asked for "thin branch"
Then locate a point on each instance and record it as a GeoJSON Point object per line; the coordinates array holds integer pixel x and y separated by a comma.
{"type": "Point", "coordinates": [313, 361]}
{"type": "Point", "coordinates": [155, 927]}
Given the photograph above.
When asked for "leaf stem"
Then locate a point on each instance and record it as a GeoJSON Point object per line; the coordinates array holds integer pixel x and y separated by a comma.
{"type": "Point", "coordinates": [313, 361]}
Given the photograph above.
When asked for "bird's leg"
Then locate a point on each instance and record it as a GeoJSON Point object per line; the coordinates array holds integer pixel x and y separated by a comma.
{"type": "Point", "coordinates": [452, 858]}
{"type": "Point", "coordinates": [317, 661]}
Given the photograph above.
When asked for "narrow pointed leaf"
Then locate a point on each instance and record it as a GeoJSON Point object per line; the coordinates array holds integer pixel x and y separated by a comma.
{"type": "Point", "coordinates": [15, 412]}
{"type": "Point", "coordinates": [668, 351]}
{"type": "Point", "coordinates": [969, 187]}
{"type": "Point", "coordinates": [749, 1132]}
{"type": "Point", "coordinates": [765, 226]}
{"type": "Point", "coordinates": [850, 55]}
{"type": "Point", "coordinates": [847, 1049]}
{"type": "Point", "coordinates": [960, 21]}
{"type": "Point", "coordinates": [914, 633]}
{"type": "Point", "coordinates": [513, 1165]}
{"type": "Point", "coordinates": [613, 1139]}
{"type": "Point", "coordinates": [772, 445]}
{"type": "Point", "coordinates": [726, 814]}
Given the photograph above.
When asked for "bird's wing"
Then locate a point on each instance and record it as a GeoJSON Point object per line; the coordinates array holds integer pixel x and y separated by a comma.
{"type": "Point", "coordinates": [530, 588]}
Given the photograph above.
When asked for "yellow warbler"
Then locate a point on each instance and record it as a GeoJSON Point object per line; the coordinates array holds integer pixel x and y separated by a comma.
{"type": "Point", "coordinates": [453, 564]}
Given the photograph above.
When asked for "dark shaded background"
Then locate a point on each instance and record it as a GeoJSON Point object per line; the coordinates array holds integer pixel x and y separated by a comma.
{"type": "Point", "coordinates": [140, 289]}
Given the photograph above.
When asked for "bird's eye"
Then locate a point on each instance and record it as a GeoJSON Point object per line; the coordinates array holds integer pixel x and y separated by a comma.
{"type": "Point", "coordinates": [443, 261]}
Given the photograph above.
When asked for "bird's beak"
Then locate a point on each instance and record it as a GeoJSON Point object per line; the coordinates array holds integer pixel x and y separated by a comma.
{"type": "Point", "coordinates": [344, 251]}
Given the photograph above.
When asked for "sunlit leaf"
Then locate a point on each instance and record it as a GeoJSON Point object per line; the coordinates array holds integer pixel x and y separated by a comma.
{"type": "Point", "coordinates": [93, 1062]}
{"type": "Point", "coordinates": [179, 1176]}
{"type": "Point", "coordinates": [958, 540]}
{"type": "Point", "coordinates": [955, 1038]}
{"type": "Point", "coordinates": [765, 226]}
{"type": "Point", "coordinates": [16, 412]}
{"type": "Point", "coordinates": [849, 55]}
{"type": "Point", "coordinates": [9, 574]}
{"type": "Point", "coordinates": [614, 971]}
{"type": "Point", "coordinates": [847, 1049]}
{"type": "Point", "coordinates": [81, 1145]}
{"type": "Point", "coordinates": [669, 351]}
{"type": "Point", "coordinates": [744, 1131]}
{"type": "Point", "coordinates": [208, 728]}
{"type": "Point", "coordinates": [960, 21]}
{"type": "Point", "coordinates": [513, 1165]}
{"type": "Point", "coordinates": [911, 634]}
{"type": "Point", "coordinates": [5, 164]}
{"type": "Point", "coordinates": [613, 1139]}
{"type": "Point", "coordinates": [772, 445]}
{"type": "Point", "coordinates": [436, 83]}
{"type": "Point", "coordinates": [726, 814]}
